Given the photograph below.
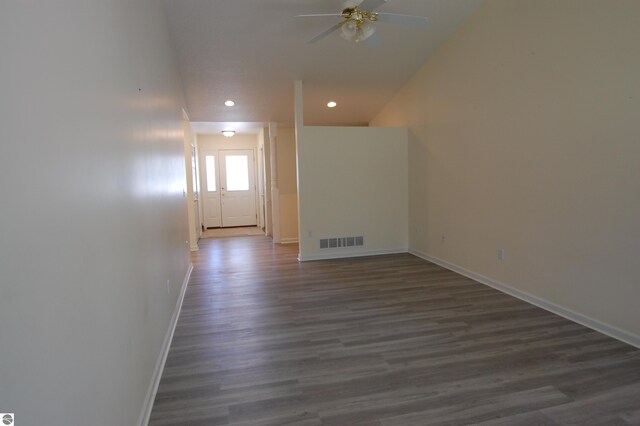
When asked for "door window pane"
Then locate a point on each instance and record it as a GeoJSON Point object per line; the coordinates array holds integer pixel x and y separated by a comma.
{"type": "Point", "coordinates": [211, 172]}
{"type": "Point", "coordinates": [237, 172]}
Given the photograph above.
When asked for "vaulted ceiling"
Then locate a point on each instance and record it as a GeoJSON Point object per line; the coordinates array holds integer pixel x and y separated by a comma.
{"type": "Point", "coordinates": [251, 51]}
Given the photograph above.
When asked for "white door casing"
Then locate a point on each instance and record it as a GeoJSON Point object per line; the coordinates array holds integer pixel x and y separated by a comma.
{"type": "Point", "coordinates": [228, 188]}
{"type": "Point", "coordinates": [238, 187]}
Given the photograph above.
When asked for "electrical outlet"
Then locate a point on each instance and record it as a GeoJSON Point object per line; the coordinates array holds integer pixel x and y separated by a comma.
{"type": "Point", "coordinates": [168, 288]}
{"type": "Point", "coordinates": [443, 238]}
{"type": "Point", "coordinates": [309, 233]}
{"type": "Point", "coordinates": [501, 254]}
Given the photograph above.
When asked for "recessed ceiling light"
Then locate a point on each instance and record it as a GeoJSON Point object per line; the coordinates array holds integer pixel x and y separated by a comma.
{"type": "Point", "coordinates": [229, 103]}
{"type": "Point", "coordinates": [228, 133]}
{"type": "Point", "coordinates": [332, 104]}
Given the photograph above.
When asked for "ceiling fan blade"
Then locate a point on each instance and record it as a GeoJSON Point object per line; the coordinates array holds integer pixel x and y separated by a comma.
{"type": "Point", "coordinates": [419, 21]}
{"type": "Point", "coordinates": [325, 33]}
{"type": "Point", "coordinates": [320, 15]}
{"type": "Point", "coordinates": [371, 5]}
{"type": "Point", "coordinates": [374, 40]}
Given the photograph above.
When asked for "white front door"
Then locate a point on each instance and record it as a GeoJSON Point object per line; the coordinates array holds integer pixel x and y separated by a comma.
{"type": "Point", "coordinates": [237, 188]}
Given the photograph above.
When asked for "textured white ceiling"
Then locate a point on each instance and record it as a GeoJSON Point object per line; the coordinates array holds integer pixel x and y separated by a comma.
{"type": "Point", "coordinates": [251, 51]}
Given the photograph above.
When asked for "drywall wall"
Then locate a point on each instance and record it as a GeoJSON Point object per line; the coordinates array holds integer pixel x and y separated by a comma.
{"type": "Point", "coordinates": [272, 137]}
{"type": "Point", "coordinates": [524, 137]}
{"type": "Point", "coordinates": [287, 185]}
{"type": "Point", "coordinates": [260, 174]}
{"type": "Point", "coordinates": [352, 182]}
{"type": "Point", "coordinates": [263, 140]}
{"type": "Point", "coordinates": [190, 146]}
{"type": "Point", "coordinates": [239, 141]}
{"type": "Point", "coordinates": [93, 222]}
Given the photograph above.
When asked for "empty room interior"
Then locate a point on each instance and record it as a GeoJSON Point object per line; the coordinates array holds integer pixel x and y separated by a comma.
{"type": "Point", "coordinates": [322, 212]}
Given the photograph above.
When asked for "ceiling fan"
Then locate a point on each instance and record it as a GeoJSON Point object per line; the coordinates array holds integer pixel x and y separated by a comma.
{"type": "Point", "coordinates": [358, 19]}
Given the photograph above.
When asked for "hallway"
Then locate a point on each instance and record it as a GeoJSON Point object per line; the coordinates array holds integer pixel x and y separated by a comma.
{"type": "Point", "coordinates": [387, 340]}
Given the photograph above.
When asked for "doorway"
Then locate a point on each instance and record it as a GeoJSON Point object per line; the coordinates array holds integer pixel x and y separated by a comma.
{"type": "Point", "coordinates": [229, 188]}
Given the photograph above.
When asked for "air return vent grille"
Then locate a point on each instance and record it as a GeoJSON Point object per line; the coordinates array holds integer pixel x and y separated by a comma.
{"type": "Point", "coordinates": [339, 242]}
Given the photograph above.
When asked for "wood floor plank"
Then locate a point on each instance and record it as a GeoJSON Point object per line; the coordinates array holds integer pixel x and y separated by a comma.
{"type": "Point", "coordinates": [388, 340]}
{"type": "Point", "coordinates": [483, 408]}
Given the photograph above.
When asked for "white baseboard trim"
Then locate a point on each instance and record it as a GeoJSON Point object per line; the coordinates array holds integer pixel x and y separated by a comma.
{"type": "Point", "coordinates": [288, 241]}
{"type": "Point", "coordinates": [162, 359]}
{"type": "Point", "coordinates": [597, 325]}
{"type": "Point", "coordinates": [347, 254]}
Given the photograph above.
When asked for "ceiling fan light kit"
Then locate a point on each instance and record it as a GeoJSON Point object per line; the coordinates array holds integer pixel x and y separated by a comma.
{"type": "Point", "coordinates": [358, 20]}
{"type": "Point", "coordinates": [357, 26]}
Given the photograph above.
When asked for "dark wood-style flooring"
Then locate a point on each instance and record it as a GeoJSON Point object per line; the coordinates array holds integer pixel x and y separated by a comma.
{"type": "Point", "coordinates": [386, 340]}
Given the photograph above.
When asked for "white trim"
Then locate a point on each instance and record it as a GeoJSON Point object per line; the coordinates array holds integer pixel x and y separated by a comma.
{"type": "Point", "coordinates": [347, 254]}
{"type": "Point", "coordinates": [597, 325]}
{"type": "Point", "coordinates": [288, 240]}
{"type": "Point", "coordinates": [157, 373]}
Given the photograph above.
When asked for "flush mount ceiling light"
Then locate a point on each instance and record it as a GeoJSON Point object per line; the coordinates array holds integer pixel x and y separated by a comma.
{"type": "Point", "coordinates": [332, 104]}
{"type": "Point", "coordinates": [228, 133]}
{"type": "Point", "coordinates": [229, 103]}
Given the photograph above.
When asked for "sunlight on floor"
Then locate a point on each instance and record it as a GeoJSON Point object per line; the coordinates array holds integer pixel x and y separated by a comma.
{"type": "Point", "coordinates": [232, 232]}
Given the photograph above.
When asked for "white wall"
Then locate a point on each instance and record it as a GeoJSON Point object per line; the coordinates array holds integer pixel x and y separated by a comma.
{"type": "Point", "coordinates": [239, 141]}
{"type": "Point", "coordinates": [352, 182]}
{"type": "Point", "coordinates": [287, 185]}
{"type": "Point", "coordinates": [524, 136]}
{"type": "Point", "coordinates": [260, 178]}
{"type": "Point", "coordinates": [93, 221]}
{"type": "Point", "coordinates": [263, 140]}
{"type": "Point", "coordinates": [190, 146]}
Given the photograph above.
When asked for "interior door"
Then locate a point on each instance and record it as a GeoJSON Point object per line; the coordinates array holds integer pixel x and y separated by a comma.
{"type": "Point", "coordinates": [237, 187]}
{"type": "Point", "coordinates": [210, 190]}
